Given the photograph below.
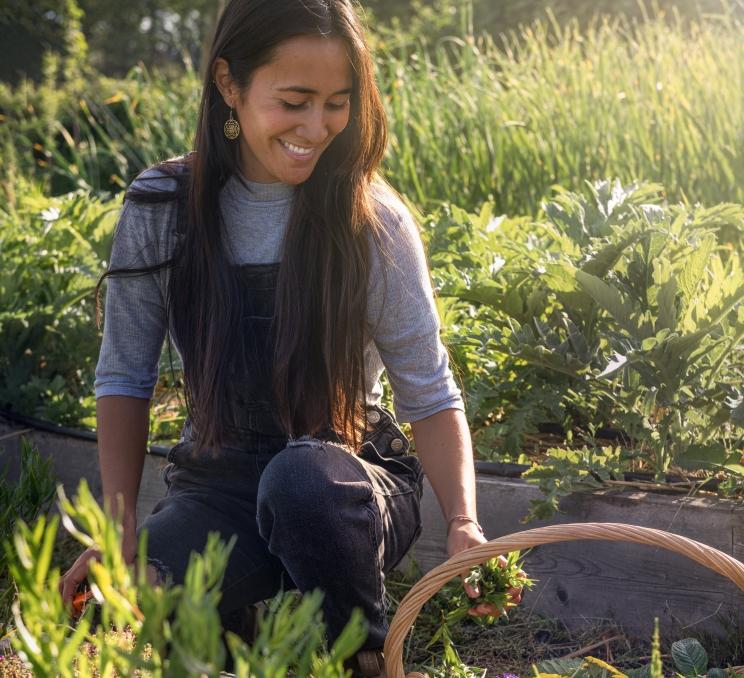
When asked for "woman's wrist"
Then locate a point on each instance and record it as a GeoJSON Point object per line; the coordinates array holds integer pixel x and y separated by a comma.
{"type": "Point", "coordinates": [463, 518]}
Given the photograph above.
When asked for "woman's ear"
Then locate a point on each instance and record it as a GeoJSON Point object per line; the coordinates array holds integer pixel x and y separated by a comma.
{"type": "Point", "coordinates": [224, 82]}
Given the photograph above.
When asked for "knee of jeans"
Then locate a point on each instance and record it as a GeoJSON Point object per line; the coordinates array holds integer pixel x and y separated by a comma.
{"type": "Point", "coordinates": [305, 478]}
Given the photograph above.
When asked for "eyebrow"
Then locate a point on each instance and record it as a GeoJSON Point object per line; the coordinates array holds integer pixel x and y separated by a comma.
{"type": "Point", "coordinates": [308, 90]}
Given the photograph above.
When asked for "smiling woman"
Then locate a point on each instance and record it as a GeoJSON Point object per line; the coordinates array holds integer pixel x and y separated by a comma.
{"type": "Point", "coordinates": [292, 109]}
{"type": "Point", "coordinates": [288, 275]}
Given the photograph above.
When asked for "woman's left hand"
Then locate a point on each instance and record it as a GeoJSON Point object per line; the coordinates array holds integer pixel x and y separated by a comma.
{"type": "Point", "coordinates": [464, 536]}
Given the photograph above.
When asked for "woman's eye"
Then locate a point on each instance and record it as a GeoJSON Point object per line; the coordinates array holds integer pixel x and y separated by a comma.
{"type": "Point", "coordinates": [296, 107]}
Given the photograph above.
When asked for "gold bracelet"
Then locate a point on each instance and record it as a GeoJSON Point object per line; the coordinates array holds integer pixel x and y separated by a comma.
{"type": "Point", "coordinates": [465, 519]}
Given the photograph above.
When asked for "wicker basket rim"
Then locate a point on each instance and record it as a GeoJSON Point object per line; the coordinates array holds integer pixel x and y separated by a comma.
{"type": "Point", "coordinates": [430, 583]}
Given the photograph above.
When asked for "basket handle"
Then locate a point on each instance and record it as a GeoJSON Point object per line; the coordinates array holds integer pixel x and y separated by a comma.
{"type": "Point", "coordinates": [430, 583]}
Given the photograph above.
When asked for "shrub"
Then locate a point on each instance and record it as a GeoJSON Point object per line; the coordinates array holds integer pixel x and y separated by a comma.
{"type": "Point", "coordinates": [175, 630]}
{"type": "Point", "coordinates": [54, 250]}
{"type": "Point", "coordinates": [618, 310]}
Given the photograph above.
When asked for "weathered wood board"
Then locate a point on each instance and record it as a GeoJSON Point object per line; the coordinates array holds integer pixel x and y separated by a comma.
{"type": "Point", "coordinates": [630, 583]}
{"type": "Point", "coordinates": [74, 459]}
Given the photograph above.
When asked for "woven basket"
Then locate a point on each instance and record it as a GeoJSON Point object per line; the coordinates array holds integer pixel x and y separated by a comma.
{"type": "Point", "coordinates": [428, 585]}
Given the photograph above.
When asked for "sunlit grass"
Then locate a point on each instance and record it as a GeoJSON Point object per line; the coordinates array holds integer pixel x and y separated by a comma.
{"type": "Point", "coordinates": [655, 102]}
{"type": "Point", "coordinates": [658, 101]}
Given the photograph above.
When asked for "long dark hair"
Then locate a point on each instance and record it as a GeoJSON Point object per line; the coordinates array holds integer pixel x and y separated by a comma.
{"type": "Point", "coordinates": [318, 367]}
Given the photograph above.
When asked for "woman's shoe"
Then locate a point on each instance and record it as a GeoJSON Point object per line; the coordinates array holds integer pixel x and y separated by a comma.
{"type": "Point", "coordinates": [367, 664]}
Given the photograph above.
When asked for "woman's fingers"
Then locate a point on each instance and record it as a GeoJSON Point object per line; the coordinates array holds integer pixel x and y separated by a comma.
{"type": "Point", "coordinates": [484, 609]}
{"type": "Point", "coordinates": [514, 595]}
{"type": "Point", "coordinates": [473, 592]}
{"type": "Point", "coordinates": [72, 579]}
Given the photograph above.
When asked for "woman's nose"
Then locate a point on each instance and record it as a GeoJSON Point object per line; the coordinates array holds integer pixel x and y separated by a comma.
{"type": "Point", "coordinates": [314, 128]}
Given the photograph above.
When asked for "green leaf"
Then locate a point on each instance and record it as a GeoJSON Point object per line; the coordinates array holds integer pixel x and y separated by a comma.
{"type": "Point", "coordinates": [667, 318]}
{"type": "Point", "coordinates": [697, 456]}
{"type": "Point", "coordinates": [608, 297]}
{"type": "Point", "coordinates": [689, 657]}
{"type": "Point", "coordinates": [604, 260]}
{"type": "Point", "coordinates": [561, 667]}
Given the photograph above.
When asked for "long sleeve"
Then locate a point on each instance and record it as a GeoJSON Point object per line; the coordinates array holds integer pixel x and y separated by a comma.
{"type": "Point", "coordinates": [403, 320]}
{"type": "Point", "coordinates": [135, 320]}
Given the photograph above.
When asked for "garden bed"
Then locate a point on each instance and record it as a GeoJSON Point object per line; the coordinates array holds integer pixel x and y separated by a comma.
{"type": "Point", "coordinates": [578, 582]}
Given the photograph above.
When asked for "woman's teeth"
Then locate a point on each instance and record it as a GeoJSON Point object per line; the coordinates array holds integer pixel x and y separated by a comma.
{"type": "Point", "coordinates": [297, 149]}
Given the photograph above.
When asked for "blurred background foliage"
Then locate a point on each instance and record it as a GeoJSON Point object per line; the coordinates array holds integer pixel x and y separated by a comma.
{"type": "Point", "coordinates": [168, 34]}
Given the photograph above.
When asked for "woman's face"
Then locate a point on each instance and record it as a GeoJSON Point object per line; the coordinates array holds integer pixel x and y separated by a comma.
{"type": "Point", "coordinates": [293, 108]}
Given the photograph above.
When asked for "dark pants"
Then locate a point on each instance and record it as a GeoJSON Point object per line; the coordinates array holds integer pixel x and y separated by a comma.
{"type": "Point", "coordinates": [311, 515]}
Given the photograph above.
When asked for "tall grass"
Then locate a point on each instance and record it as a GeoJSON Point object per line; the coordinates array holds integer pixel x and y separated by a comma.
{"type": "Point", "coordinates": [659, 100]}
{"type": "Point", "coordinates": [98, 139]}
{"type": "Point", "coordinates": [652, 101]}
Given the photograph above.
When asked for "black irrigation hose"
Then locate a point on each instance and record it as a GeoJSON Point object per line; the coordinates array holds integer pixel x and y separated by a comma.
{"type": "Point", "coordinates": [491, 468]}
{"type": "Point", "coordinates": [51, 427]}
{"type": "Point", "coordinates": [494, 468]}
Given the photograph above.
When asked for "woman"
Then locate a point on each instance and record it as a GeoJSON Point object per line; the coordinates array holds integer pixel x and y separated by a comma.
{"type": "Point", "coordinates": [287, 274]}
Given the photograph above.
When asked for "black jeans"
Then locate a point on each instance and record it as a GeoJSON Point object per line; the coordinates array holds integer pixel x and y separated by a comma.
{"type": "Point", "coordinates": [311, 515]}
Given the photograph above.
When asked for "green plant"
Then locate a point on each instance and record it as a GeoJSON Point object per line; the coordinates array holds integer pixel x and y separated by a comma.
{"type": "Point", "coordinates": [22, 501]}
{"type": "Point", "coordinates": [475, 120]}
{"type": "Point", "coordinates": [472, 119]}
{"type": "Point", "coordinates": [176, 629]}
{"type": "Point", "coordinates": [451, 604]}
{"type": "Point", "coordinates": [565, 471]}
{"type": "Point", "coordinates": [290, 637]}
{"type": "Point", "coordinates": [689, 657]}
{"type": "Point", "coordinates": [618, 310]}
{"type": "Point", "coordinates": [54, 249]}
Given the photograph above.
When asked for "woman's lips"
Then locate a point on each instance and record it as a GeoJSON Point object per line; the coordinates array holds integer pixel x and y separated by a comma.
{"type": "Point", "coordinates": [297, 152]}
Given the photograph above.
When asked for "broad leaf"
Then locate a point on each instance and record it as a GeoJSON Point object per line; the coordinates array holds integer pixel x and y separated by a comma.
{"type": "Point", "coordinates": [689, 657]}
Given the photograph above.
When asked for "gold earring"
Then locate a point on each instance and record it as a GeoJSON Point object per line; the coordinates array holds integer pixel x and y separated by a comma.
{"type": "Point", "coordinates": [232, 128]}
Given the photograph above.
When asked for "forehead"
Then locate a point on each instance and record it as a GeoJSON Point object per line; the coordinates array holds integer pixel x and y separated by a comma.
{"type": "Point", "coordinates": [309, 61]}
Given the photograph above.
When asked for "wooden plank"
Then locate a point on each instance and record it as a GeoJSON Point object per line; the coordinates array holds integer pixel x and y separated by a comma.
{"type": "Point", "coordinates": [74, 459]}
{"type": "Point", "coordinates": [629, 583]}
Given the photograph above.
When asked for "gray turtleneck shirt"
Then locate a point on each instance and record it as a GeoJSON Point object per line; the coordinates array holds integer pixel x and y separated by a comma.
{"type": "Point", "coordinates": [402, 324]}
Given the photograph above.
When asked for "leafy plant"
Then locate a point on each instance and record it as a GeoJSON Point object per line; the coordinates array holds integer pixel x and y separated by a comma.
{"type": "Point", "coordinates": [689, 657]}
{"type": "Point", "coordinates": [54, 249]}
{"type": "Point", "coordinates": [290, 635]}
{"type": "Point", "coordinates": [22, 501]}
{"type": "Point", "coordinates": [176, 629]}
{"type": "Point", "coordinates": [565, 471]}
{"type": "Point", "coordinates": [617, 311]}
{"type": "Point", "coordinates": [451, 605]}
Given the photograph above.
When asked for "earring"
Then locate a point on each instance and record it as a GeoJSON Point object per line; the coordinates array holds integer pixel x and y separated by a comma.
{"type": "Point", "coordinates": [232, 128]}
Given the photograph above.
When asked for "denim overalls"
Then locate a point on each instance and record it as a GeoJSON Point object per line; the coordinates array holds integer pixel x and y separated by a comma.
{"type": "Point", "coordinates": [307, 513]}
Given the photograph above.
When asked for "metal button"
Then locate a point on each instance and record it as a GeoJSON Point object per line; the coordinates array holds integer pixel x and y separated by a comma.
{"type": "Point", "coordinates": [373, 417]}
{"type": "Point", "coordinates": [396, 445]}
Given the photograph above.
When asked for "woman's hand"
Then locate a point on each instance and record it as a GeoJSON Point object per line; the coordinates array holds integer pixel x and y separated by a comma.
{"type": "Point", "coordinates": [77, 573]}
{"type": "Point", "coordinates": [75, 576]}
{"type": "Point", "coordinates": [462, 536]}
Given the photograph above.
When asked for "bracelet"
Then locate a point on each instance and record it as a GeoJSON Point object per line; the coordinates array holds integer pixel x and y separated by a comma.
{"type": "Point", "coordinates": [465, 519]}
